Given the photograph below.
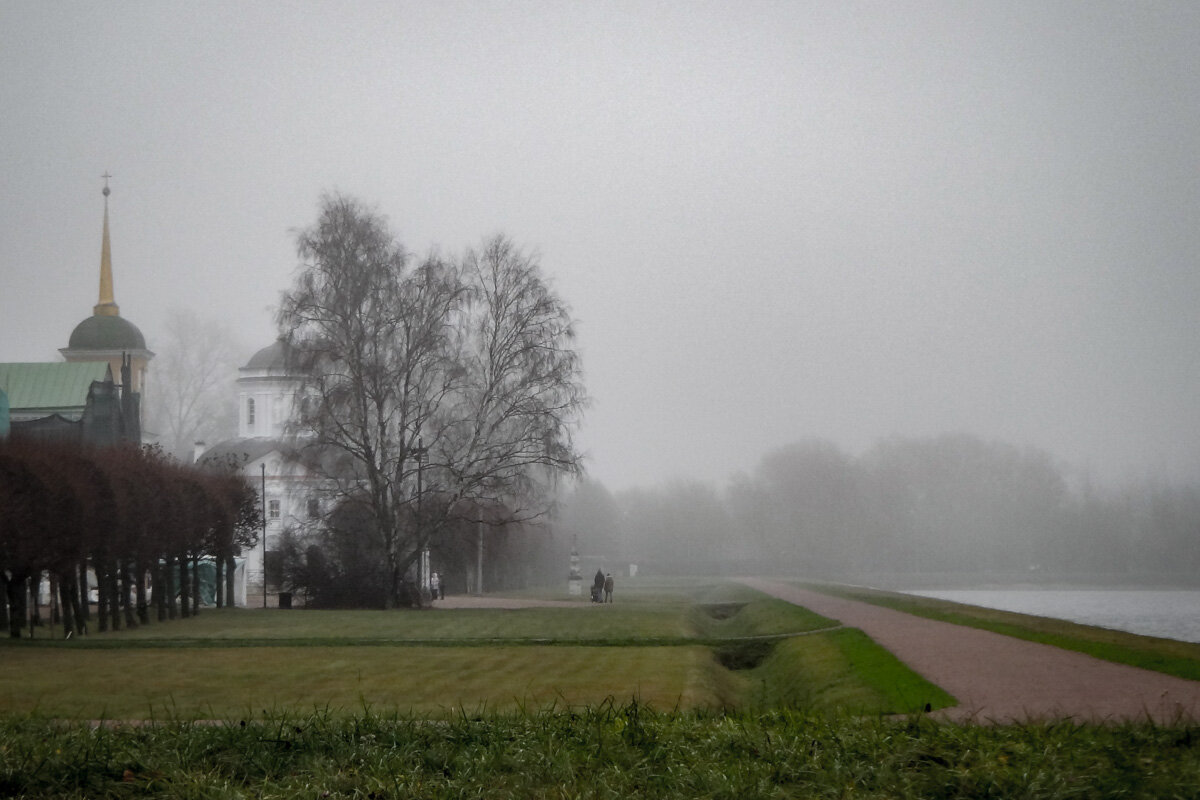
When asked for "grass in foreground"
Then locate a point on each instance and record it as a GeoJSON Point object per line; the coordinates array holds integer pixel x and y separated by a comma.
{"type": "Point", "coordinates": [1169, 656]}
{"type": "Point", "coordinates": [607, 751]}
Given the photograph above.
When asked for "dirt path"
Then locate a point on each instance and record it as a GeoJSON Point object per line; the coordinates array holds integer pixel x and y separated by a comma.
{"type": "Point", "coordinates": [1001, 679]}
{"type": "Point", "coordinates": [488, 601]}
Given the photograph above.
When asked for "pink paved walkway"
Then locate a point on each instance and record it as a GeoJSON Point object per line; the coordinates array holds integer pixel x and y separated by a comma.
{"type": "Point", "coordinates": [1001, 679]}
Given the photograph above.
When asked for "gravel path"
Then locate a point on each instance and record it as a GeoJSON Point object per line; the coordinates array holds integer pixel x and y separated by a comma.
{"type": "Point", "coordinates": [1001, 679]}
{"type": "Point", "coordinates": [488, 601]}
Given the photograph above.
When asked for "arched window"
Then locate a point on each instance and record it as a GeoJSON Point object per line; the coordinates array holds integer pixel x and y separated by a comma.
{"type": "Point", "coordinates": [250, 413]}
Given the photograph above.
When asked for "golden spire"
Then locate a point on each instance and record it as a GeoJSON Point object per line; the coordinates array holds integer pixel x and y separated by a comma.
{"type": "Point", "coordinates": [107, 305]}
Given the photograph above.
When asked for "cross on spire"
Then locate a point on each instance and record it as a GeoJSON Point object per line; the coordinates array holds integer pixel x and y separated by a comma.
{"type": "Point", "coordinates": [107, 305]}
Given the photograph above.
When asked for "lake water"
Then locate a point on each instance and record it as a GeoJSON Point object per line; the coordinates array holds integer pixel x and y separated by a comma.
{"type": "Point", "coordinates": [1172, 614]}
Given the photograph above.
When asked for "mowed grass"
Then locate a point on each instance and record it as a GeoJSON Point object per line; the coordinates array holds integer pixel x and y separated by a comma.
{"type": "Point", "coordinates": [685, 646]}
{"type": "Point", "coordinates": [1169, 656]}
{"type": "Point", "coordinates": [588, 622]}
{"type": "Point", "coordinates": [648, 610]}
{"type": "Point", "coordinates": [218, 683]}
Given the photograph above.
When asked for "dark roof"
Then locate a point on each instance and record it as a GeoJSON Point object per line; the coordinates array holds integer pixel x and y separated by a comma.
{"type": "Point", "coordinates": [320, 458]}
{"type": "Point", "coordinates": [273, 357]}
{"type": "Point", "coordinates": [245, 449]}
{"type": "Point", "coordinates": [102, 332]}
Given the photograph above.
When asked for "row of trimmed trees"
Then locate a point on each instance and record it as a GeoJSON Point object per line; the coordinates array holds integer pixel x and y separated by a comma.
{"type": "Point", "coordinates": [137, 521]}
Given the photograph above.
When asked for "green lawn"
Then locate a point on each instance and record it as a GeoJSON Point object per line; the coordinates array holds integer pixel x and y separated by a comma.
{"type": "Point", "coordinates": [743, 697]}
{"type": "Point", "coordinates": [671, 645]}
{"type": "Point", "coordinates": [588, 622]}
{"type": "Point", "coordinates": [219, 683]}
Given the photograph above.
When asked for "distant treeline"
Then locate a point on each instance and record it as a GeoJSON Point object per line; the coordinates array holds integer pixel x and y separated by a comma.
{"type": "Point", "coordinates": [946, 504]}
{"type": "Point", "coordinates": [131, 517]}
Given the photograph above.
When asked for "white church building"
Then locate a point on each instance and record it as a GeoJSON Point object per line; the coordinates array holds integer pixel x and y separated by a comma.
{"type": "Point", "coordinates": [266, 394]}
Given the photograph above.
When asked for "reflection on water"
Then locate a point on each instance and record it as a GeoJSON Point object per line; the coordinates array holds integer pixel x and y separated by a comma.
{"type": "Point", "coordinates": [1170, 614]}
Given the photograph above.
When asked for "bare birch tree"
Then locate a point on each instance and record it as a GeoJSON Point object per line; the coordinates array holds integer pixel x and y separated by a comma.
{"type": "Point", "coordinates": [427, 382]}
{"type": "Point", "coordinates": [509, 430]}
{"type": "Point", "coordinates": [370, 334]}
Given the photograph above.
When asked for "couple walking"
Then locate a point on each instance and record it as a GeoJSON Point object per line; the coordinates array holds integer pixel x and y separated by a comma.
{"type": "Point", "coordinates": [602, 583]}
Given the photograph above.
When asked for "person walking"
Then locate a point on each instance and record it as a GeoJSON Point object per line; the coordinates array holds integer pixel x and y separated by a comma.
{"type": "Point", "coordinates": [608, 587]}
{"type": "Point", "coordinates": [597, 586]}
{"type": "Point", "coordinates": [435, 585]}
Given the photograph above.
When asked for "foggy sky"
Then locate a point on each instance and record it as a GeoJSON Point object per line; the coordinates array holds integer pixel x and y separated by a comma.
{"type": "Point", "coordinates": [773, 221]}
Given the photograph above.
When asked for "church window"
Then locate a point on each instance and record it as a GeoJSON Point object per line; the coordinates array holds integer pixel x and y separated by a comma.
{"type": "Point", "coordinates": [273, 509]}
{"type": "Point", "coordinates": [250, 413]}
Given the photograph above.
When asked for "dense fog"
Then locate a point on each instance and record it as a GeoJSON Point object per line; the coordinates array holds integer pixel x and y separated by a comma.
{"type": "Point", "coordinates": [949, 507]}
{"type": "Point", "coordinates": [773, 221]}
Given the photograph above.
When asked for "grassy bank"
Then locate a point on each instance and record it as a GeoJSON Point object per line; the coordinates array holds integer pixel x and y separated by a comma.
{"type": "Point", "coordinates": [608, 751]}
{"type": "Point", "coordinates": [1172, 657]}
{"type": "Point", "coordinates": [783, 656]}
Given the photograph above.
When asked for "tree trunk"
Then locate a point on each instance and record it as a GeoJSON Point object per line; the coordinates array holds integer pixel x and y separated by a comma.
{"type": "Point", "coordinates": [4, 610]}
{"type": "Point", "coordinates": [78, 604]}
{"type": "Point", "coordinates": [127, 594]}
{"type": "Point", "coordinates": [139, 587]}
{"type": "Point", "coordinates": [184, 611]}
{"type": "Point", "coordinates": [85, 595]}
{"type": "Point", "coordinates": [230, 568]}
{"type": "Point", "coordinates": [55, 610]}
{"type": "Point", "coordinates": [65, 602]}
{"type": "Point", "coordinates": [218, 581]}
{"type": "Point", "coordinates": [195, 585]}
{"type": "Point", "coordinates": [160, 588]}
{"type": "Point", "coordinates": [16, 606]}
{"type": "Point", "coordinates": [100, 567]}
{"type": "Point", "coordinates": [170, 574]}
{"type": "Point", "coordinates": [35, 610]}
{"type": "Point", "coordinates": [111, 568]}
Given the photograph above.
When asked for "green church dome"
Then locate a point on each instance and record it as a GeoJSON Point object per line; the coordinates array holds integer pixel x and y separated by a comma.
{"type": "Point", "coordinates": [102, 332]}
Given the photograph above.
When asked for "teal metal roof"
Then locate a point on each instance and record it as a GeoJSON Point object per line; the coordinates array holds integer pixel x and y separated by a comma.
{"type": "Point", "coordinates": [51, 387]}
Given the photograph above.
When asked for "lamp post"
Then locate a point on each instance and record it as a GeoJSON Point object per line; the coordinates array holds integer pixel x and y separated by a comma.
{"type": "Point", "coordinates": [264, 530]}
{"type": "Point", "coordinates": [423, 560]}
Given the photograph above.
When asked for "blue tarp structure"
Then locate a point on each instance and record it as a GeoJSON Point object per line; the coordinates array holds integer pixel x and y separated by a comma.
{"type": "Point", "coordinates": [208, 581]}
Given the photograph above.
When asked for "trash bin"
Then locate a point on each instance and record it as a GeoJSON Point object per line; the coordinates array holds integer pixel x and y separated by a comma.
{"type": "Point", "coordinates": [285, 599]}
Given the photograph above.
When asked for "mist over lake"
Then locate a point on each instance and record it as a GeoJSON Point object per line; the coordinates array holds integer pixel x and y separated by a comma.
{"type": "Point", "coordinates": [1171, 614]}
